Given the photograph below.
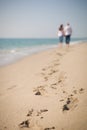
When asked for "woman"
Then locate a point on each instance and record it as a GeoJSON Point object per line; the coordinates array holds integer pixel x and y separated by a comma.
{"type": "Point", "coordinates": [61, 34]}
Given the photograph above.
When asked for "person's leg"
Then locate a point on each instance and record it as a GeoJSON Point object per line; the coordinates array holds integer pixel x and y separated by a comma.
{"type": "Point", "coordinates": [60, 41]}
{"type": "Point", "coordinates": [68, 40]}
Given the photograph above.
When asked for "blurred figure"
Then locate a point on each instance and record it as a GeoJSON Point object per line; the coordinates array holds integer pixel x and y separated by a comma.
{"type": "Point", "coordinates": [61, 34]}
{"type": "Point", "coordinates": [68, 33]}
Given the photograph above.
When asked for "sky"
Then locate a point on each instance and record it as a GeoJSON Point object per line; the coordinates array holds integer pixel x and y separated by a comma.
{"type": "Point", "coordinates": [41, 18]}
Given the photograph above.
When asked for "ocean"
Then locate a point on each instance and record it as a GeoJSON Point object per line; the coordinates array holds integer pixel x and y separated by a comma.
{"type": "Point", "coordinates": [12, 50]}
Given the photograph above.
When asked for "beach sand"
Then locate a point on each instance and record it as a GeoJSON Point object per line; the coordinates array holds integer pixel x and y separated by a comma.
{"type": "Point", "coordinates": [45, 91]}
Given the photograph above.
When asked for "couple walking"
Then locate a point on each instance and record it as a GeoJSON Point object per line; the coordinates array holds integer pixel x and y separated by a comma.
{"type": "Point", "coordinates": [65, 32]}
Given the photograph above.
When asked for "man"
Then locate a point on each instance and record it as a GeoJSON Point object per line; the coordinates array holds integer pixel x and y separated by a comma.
{"type": "Point", "coordinates": [68, 33]}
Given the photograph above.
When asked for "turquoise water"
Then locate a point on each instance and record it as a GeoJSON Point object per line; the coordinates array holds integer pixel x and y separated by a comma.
{"type": "Point", "coordinates": [12, 50]}
{"type": "Point", "coordinates": [22, 43]}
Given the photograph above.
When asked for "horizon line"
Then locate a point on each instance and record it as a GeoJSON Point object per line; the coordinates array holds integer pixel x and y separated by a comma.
{"type": "Point", "coordinates": [35, 37]}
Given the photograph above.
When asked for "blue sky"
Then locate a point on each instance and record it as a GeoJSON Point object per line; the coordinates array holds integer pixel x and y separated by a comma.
{"type": "Point", "coordinates": [41, 18]}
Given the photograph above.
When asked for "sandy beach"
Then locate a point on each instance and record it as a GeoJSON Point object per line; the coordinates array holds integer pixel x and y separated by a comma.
{"type": "Point", "coordinates": [45, 91]}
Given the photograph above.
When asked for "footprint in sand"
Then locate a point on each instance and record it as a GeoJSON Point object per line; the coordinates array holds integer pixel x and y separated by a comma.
{"type": "Point", "coordinates": [54, 85]}
{"type": "Point", "coordinates": [46, 78]}
{"type": "Point", "coordinates": [24, 124]}
{"type": "Point", "coordinates": [40, 90]}
{"type": "Point", "coordinates": [81, 90]}
{"type": "Point", "coordinates": [61, 78]}
{"type": "Point", "coordinates": [59, 54]}
{"type": "Point", "coordinates": [61, 100]}
{"type": "Point", "coordinates": [49, 74]}
{"type": "Point", "coordinates": [47, 68]}
{"type": "Point", "coordinates": [75, 91]}
{"type": "Point", "coordinates": [34, 113]}
{"type": "Point", "coordinates": [70, 104]}
{"type": "Point", "coordinates": [51, 128]}
{"type": "Point", "coordinates": [30, 112]}
{"type": "Point", "coordinates": [12, 87]}
{"type": "Point", "coordinates": [51, 71]}
{"type": "Point", "coordinates": [56, 64]}
{"type": "Point", "coordinates": [44, 69]}
{"type": "Point", "coordinates": [32, 123]}
{"type": "Point", "coordinates": [41, 111]}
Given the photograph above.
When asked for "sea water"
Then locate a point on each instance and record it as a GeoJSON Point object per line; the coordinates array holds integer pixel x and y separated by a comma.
{"type": "Point", "coordinates": [12, 50]}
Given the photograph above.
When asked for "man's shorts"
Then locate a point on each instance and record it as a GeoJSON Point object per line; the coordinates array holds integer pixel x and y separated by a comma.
{"type": "Point", "coordinates": [67, 39]}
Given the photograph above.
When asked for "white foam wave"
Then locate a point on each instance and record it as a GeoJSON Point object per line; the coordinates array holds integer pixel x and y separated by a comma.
{"type": "Point", "coordinates": [12, 55]}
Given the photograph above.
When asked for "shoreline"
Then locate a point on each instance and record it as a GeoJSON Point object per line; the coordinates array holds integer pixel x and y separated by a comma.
{"type": "Point", "coordinates": [27, 56]}
{"type": "Point", "coordinates": [46, 90]}
{"type": "Point", "coordinates": [12, 55]}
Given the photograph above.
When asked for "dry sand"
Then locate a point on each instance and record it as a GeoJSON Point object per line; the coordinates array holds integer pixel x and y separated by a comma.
{"type": "Point", "coordinates": [45, 91]}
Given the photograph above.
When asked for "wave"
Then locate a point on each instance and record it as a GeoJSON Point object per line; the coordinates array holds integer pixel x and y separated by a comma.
{"type": "Point", "coordinates": [12, 55]}
{"type": "Point", "coordinates": [8, 56]}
